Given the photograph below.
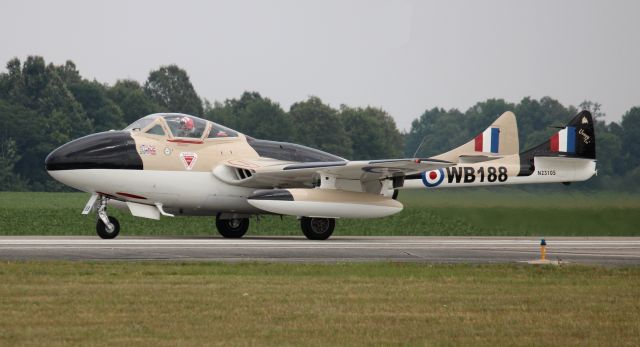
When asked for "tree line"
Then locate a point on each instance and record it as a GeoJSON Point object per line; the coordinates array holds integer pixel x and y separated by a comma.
{"type": "Point", "coordinates": [42, 106]}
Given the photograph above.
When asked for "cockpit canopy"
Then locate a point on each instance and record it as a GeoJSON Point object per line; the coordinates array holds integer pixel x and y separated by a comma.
{"type": "Point", "coordinates": [180, 125]}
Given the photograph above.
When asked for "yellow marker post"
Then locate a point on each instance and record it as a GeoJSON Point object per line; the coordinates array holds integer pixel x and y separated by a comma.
{"type": "Point", "coordinates": [543, 250]}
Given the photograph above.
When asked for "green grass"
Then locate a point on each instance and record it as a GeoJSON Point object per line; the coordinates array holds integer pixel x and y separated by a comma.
{"type": "Point", "coordinates": [444, 212]}
{"type": "Point", "coordinates": [124, 303]}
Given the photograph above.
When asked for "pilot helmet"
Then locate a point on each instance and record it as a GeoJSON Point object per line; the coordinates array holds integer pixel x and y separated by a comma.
{"type": "Point", "coordinates": [186, 123]}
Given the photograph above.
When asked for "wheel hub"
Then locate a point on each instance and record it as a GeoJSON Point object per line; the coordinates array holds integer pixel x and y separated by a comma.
{"type": "Point", "coordinates": [234, 223]}
{"type": "Point", "coordinates": [319, 225]}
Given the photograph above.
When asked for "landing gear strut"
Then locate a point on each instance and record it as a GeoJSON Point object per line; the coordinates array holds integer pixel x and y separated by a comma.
{"type": "Point", "coordinates": [317, 228]}
{"type": "Point", "coordinates": [232, 228]}
{"type": "Point", "coordinates": [106, 227]}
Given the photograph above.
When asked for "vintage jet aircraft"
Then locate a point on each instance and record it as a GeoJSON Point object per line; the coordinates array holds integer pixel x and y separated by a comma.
{"type": "Point", "coordinates": [171, 164]}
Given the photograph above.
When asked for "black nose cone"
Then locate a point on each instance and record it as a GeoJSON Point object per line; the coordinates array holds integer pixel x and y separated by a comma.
{"type": "Point", "coordinates": [107, 150]}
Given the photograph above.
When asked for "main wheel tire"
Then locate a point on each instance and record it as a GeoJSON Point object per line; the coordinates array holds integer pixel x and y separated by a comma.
{"type": "Point", "coordinates": [232, 228]}
{"type": "Point", "coordinates": [317, 228]}
{"type": "Point", "coordinates": [102, 230]}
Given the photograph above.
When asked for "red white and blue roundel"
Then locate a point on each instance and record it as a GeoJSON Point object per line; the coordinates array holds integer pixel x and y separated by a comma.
{"type": "Point", "coordinates": [432, 178]}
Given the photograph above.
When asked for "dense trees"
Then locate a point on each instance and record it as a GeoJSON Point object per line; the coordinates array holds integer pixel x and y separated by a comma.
{"type": "Point", "coordinates": [372, 132]}
{"type": "Point", "coordinates": [253, 115]}
{"type": "Point", "coordinates": [170, 87]}
{"type": "Point", "coordinates": [348, 132]}
{"type": "Point", "coordinates": [38, 112]}
{"type": "Point", "coordinates": [103, 112]}
{"type": "Point", "coordinates": [132, 100]}
{"type": "Point", "coordinates": [630, 140]}
{"type": "Point", "coordinates": [434, 132]}
{"type": "Point", "coordinates": [319, 126]}
{"type": "Point", "coordinates": [43, 106]}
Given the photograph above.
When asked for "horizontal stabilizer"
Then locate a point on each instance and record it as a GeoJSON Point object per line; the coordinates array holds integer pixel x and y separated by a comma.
{"type": "Point", "coordinates": [471, 159]}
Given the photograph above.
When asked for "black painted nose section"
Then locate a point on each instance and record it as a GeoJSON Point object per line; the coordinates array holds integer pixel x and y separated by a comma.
{"type": "Point", "coordinates": [107, 150]}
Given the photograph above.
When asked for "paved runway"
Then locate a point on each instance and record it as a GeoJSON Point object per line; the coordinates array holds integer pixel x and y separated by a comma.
{"type": "Point", "coordinates": [592, 250]}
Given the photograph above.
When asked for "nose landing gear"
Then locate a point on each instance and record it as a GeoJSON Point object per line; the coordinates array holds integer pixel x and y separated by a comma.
{"type": "Point", "coordinates": [107, 227]}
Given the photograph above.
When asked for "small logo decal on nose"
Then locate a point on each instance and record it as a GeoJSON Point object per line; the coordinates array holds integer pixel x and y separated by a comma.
{"type": "Point", "coordinates": [188, 159]}
{"type": "Point", "coordinates": [147, 150]}
{"type": "Point", "coordinates": [167, 151]}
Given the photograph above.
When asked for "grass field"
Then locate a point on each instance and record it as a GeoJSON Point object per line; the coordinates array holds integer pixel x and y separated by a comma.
{"type": "Point", "coordinates": [445, 212]}
{"type": "Point", "coordinates": [123, 303]}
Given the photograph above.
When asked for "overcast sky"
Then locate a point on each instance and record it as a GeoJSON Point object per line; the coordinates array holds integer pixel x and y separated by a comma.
{"type": "Point", "coordinates": [403, 56]}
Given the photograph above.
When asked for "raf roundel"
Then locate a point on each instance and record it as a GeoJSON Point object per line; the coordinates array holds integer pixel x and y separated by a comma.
{"type": "Point", "coordinates": [432, 178]}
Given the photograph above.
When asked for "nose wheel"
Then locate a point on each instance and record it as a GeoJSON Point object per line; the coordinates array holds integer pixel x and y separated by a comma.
{"type": "Point", "coordinates": [108, 231]}
{"type": "Point", "coordinates": [107, 227]}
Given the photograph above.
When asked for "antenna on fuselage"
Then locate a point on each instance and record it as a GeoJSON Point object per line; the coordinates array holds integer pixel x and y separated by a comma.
{"type": "Point", "coordinates": [420, 145]}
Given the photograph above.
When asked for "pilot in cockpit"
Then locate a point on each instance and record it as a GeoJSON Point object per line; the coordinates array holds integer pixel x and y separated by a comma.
{"type": "Point", "coordinates": [187, 127]}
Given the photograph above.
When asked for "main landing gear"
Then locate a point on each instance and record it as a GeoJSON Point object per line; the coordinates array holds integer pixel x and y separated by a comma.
{"type": "Point", "coordinates": [107, 227]}
{"type": "Point", "coordinates": [234, 228]}
{"type": "Point", "coordinates": [313, 228]}
{"type": "Point", "coordinates": [317, 228]}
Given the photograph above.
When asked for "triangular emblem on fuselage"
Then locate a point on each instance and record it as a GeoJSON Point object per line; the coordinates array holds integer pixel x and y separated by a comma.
{"type": "Point", "coordinates": [188, 159]}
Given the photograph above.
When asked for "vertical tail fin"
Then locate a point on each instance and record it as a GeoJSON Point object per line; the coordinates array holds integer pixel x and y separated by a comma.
{"type": "Point", "coordinates": [499, 139]}
{"type": "Point", "coordinates": [577, 139]}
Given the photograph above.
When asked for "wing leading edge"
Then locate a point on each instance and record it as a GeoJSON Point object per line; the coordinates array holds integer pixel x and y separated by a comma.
{"type": "Point", "coordinates": [270, 173]}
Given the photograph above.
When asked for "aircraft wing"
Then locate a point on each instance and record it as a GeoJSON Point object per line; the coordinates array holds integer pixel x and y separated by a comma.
{"type": "Point", "coordinates": [270, 173]}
